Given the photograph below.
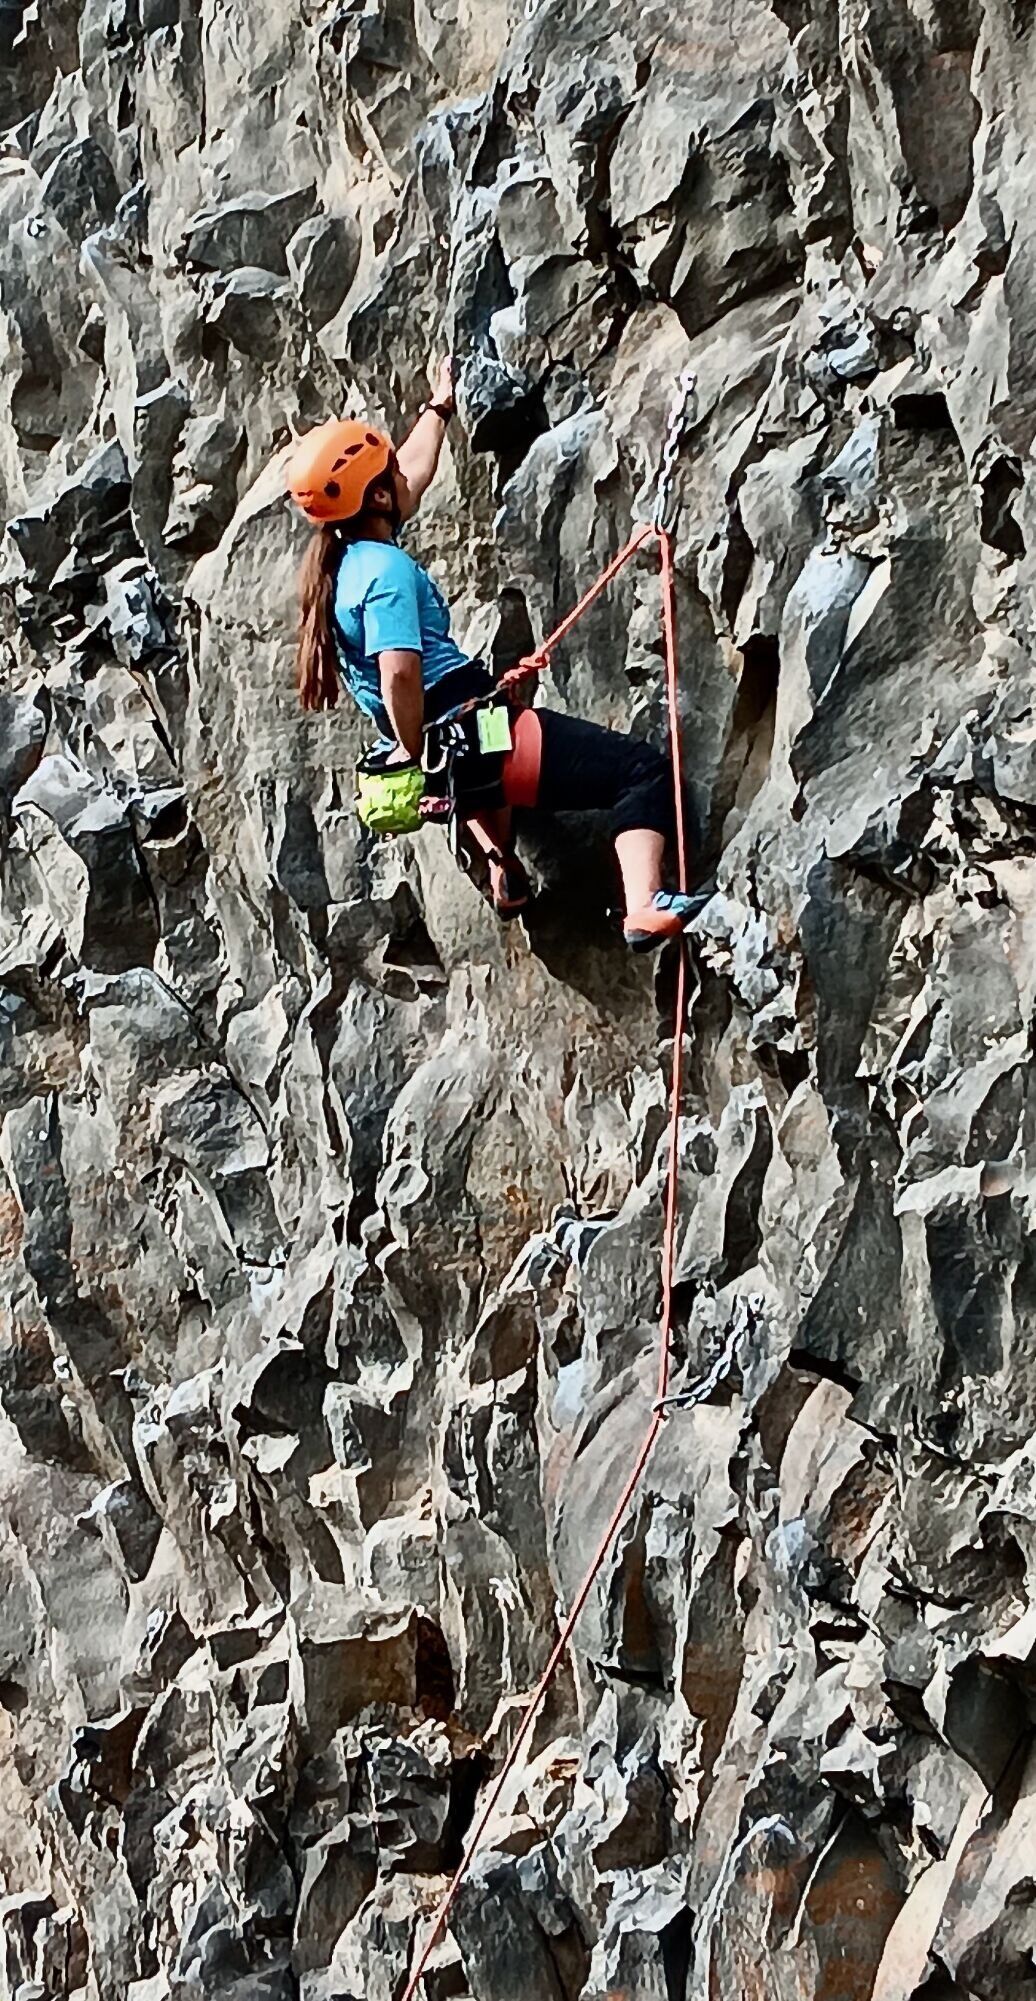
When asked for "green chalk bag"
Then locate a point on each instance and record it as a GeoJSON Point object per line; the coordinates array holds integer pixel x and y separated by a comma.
{"type": "Point", "coordinates": [388, 796]}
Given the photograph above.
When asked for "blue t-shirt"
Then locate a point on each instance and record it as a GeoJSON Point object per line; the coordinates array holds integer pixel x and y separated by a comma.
{"type": "Point", "coordinates": [383, 601]}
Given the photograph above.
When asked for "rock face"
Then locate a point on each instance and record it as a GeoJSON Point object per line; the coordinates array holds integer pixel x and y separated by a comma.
{"type": "Point", "coordinates": [330, 1214]}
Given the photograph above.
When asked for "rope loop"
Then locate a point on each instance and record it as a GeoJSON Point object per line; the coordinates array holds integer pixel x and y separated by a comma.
{"type": "Point", "coordinates": [530, 663]}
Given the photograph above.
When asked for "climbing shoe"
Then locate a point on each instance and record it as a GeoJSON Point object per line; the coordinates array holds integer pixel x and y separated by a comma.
{"type": "Point", "coordinates": [667, 914]}
{"type": "Point", "coordinates": [509, 889]}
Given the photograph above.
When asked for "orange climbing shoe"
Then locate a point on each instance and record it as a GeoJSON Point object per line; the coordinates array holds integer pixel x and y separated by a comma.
{"type": "Point", "coordinates": [509, 888]}
{"type": "Point", "coordinates": [667, 914]}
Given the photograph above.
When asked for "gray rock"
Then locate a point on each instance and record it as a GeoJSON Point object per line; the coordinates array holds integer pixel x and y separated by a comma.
{"type": "Point", "coordinates": [251, 229]}
{"type": "Point", "coordinates": [80, 188]}
{"type": "Point", "coordinates": [331, 1216]}
{"type": "Point", "coordinates": [246, 310]}
{"type": "Point", "coordinates": [204, 482]}
{"type": "Point", "coordinates": [137, 631]}
{"type": "Point", "coordinates": [322, 259]}
{"type": "Point", "coordinates": [94, 880]}
{"type": "Point", "coordinates": [68, 539]}
{"type": "Point", "coordinates": [23, 733]}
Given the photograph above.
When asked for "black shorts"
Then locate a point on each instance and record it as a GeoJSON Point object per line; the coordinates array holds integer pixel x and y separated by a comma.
{"type": "Point", "coordinates": [589, 769]}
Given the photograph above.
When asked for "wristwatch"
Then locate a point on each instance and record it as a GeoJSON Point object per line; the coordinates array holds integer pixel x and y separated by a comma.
{"type": "Point", "coordinates": [442, 410]}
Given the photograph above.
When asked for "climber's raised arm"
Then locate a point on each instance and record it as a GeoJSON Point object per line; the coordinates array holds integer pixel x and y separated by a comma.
{"type": "Point", "coordinates": [417, 458]}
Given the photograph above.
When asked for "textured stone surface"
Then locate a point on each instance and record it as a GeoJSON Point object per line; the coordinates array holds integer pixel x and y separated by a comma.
{"type": "Point", "coordinates": [329, 1213]}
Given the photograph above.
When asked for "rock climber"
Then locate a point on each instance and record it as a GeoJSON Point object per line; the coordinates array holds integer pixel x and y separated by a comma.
{"type": "Point", "coordinates": [369, 614]}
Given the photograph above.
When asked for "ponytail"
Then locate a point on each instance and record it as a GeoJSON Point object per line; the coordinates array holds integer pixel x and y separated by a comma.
{"type": "Point", "coordinates": [316, 657]}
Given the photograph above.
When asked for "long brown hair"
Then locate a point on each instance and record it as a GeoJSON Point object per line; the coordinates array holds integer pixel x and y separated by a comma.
{"type": "Point", "coordinates": [316, 656]}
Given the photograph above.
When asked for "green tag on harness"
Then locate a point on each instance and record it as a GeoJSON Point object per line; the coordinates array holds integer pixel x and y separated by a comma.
{"type": "Point", "coordinates": [494, 728]}
{"type": "Point", "coordinates": [388, 798]}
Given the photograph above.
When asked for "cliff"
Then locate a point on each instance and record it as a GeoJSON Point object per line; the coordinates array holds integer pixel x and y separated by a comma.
{"type": "Point", "coordinates": [331, 1213]}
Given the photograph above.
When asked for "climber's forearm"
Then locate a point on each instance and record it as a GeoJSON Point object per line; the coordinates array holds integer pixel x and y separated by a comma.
{"type": "Point", "coordinates": [402, 691]}
{"type": "Point", "coordinates": [417, 459]}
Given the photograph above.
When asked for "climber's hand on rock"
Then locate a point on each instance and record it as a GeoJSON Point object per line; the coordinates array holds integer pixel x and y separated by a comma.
{"type": "Point", "coordinates": [418, 455]}
{"type": "Point", "coordinates": [444, 391]}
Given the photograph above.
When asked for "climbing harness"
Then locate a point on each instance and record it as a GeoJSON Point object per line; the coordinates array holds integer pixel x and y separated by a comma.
{"type": "Point", "coordinates": [535, 664]}
{"type": "Point", "coordinates": [521, 773]}
{"type": "Point", "coordinates": [465, 756]}
{"type": "Point", "coordinates": [460, 772]}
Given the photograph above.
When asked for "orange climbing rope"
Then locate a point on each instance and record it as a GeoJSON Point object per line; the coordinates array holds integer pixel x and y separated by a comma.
{"type": "Point", "coordinates": [534, 664]}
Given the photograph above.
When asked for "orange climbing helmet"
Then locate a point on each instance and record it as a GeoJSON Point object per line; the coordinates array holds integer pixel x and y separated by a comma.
{"type": "Point", "coordinates": [332, 467]}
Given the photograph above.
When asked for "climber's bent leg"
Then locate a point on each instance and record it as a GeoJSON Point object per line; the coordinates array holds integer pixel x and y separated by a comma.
{"type": "Point", "coordinates": [640, 853]}
{"type": "Point", "coordinates": [586, 768]}
{"type": "Point", "coordinates": [490, 831]}
{"type": "Point", "coordinates": [508, 883]}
